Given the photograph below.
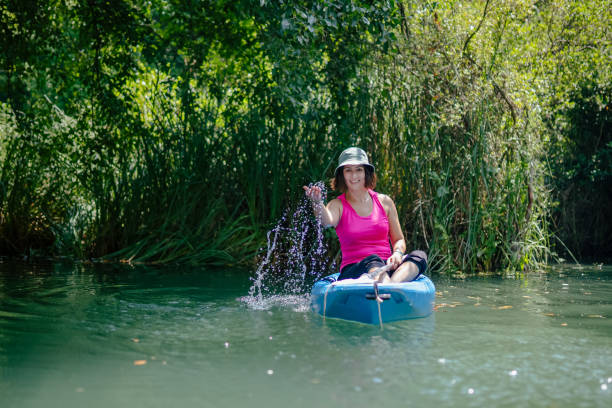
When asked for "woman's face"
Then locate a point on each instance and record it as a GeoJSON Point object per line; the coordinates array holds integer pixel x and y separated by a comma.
{"type": "Point", "coordinates": [354, 176]}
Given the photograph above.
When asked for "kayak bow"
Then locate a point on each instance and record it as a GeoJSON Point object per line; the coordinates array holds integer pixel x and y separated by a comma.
{"type": "Point", "coordinates": [355, 299]}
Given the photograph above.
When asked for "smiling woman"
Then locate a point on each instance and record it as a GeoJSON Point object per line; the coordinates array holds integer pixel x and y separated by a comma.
{"type": "Point", "coordinates": [366, 222]}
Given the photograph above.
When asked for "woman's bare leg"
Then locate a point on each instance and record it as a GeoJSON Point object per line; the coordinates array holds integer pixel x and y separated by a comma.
{"type": "Point", "coordinates": [406, 272]}
{"type": "Point", "coordinates": [382, 277]}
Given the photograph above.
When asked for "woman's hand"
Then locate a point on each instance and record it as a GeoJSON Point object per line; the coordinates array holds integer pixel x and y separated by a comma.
{"type": "Point", "coordinates": [314, 193]}
{"type": "Point", "coordinates": [329, 215]}
{"type": "Point", "coordinates": [395, 259]}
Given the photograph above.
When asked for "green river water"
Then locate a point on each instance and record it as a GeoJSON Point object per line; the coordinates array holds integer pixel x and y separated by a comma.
{"type": "Point", "coordinates": [109, 336]}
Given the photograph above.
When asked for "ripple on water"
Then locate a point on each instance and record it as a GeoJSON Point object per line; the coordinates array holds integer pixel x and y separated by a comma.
{"type": "Point", "coordinates": [297, 303]}
{"type": "Point", "coordinates": [181, 346]}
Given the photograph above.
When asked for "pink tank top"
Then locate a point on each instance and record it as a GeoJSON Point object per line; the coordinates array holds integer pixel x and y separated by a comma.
{"type": "Point", "coordinates": [362, 236]}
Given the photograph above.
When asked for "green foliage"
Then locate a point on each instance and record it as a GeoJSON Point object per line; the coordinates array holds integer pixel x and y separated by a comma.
{"type": "Point", "coordinates": [171, 131]}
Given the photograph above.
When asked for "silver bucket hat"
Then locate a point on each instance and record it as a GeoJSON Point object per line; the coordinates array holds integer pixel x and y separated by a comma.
{"type": "Point", "coordinates": [353, 155]}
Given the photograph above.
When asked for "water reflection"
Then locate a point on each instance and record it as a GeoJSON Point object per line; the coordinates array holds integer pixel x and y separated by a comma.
{"type": "Point", "coordinates": [411, 334]}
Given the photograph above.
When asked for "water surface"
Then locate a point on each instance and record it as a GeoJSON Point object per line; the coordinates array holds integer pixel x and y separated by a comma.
{"type": "Point", "coordinates": [105, 335]}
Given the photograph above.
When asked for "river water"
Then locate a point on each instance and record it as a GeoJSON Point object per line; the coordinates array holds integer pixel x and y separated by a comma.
{"type": "Point", "coordinates": [101, 335]}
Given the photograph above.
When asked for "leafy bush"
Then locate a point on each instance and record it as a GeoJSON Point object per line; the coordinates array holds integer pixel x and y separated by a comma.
{"type": "Point", "coordinates": [157, 131]}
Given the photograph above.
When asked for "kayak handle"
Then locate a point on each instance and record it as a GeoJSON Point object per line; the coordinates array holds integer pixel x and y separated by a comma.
{"type": "Point", "coordinates": [383, 296]}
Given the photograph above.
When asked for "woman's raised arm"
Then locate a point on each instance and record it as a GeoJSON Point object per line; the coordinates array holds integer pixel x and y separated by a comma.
{"type": "Point", "coordinates": [329, 214]}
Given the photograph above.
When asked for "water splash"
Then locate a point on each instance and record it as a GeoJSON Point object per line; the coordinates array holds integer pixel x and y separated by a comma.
{"type": "Point", "coordinates": [295, 257]}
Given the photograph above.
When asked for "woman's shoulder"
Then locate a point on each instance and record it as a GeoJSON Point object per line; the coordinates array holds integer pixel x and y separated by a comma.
{"type": "Point", "coordinates": [335, 207]}
{"type": "Point", "coordinates": [339, 199]}
{"type": "Point", "coordinates": [335, 202]}
{"type": "Point", "coordinates": [383, 198]}
{"type": "Point", "coordinates": [386, 202]}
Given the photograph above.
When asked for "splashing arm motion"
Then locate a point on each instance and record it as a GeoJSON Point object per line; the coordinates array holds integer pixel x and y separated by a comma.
{"type": "Point", "coordinates": [328, 215]}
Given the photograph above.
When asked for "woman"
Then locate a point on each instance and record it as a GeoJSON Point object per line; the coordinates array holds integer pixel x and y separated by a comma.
{"type": "Point", "coordinates": [366, 223]}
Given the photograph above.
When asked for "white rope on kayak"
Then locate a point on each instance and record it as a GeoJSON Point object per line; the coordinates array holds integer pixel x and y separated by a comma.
{"type": "Point", "coordinates": [378, 302]}
{"type": "Point", "coordinates": [374, 275]}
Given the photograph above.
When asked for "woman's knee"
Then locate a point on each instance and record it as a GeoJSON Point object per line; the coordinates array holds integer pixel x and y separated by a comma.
{"type": "Point", "coordinates": [406, 272]}
{"type": "Point", "coordinates": [419, 258]}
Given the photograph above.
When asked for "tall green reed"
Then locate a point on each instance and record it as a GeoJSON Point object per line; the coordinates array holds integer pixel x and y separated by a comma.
{"type": "Point", "coordinates": [466, 173]}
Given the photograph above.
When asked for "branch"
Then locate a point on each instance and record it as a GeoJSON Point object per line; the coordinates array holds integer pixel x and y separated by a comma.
{"type": "Point", "coordinates": [404, 24]}
{"type": "Point", "coordinates": [484, 15]}
{"type": "Point", "coordinates": [498, 90]}
{"type": "Point", "coordinates": [506, 98]}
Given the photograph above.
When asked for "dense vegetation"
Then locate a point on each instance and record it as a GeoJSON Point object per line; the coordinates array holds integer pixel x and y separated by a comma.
{"type": "Point", "coordinates": [179, 131]}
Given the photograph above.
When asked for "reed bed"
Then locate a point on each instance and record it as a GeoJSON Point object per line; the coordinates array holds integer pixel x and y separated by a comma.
{"type": "Point", "coordinates": [194, 161]}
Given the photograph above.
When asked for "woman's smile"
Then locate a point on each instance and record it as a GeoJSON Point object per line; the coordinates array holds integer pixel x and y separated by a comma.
{"type": "Point", "coordinates": [354, 175]}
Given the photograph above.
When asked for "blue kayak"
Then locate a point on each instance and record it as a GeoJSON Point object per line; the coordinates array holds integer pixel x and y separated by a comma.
{"type": "Point", "coordinates": [355, 300]}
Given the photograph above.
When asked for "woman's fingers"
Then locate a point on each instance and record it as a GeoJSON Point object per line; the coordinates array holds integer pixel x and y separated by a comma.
{"type": "Point", "coordinates": [394, 261]}
{"type": "Point", "coordinates": [313, 192]}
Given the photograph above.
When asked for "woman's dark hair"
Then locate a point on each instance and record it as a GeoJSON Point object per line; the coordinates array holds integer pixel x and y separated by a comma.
{"type": "Point", "coordinates": [339, 184]}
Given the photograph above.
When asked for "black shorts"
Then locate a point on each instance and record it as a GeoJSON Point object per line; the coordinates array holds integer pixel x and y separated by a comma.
{"type": "Point", "coordinates": [355, 270]}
